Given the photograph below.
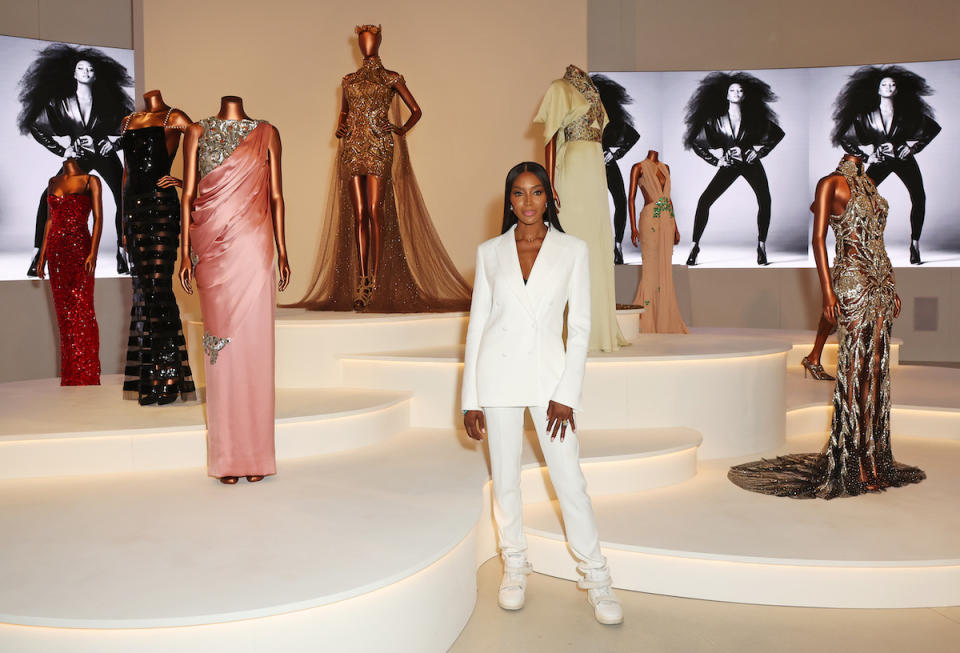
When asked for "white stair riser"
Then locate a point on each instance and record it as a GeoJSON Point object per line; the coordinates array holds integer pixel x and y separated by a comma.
{"type": "Point", "coordinates": [139, 452]}
{"type": "Point", "coordinates": [737, 403]}
{"type": "Point", "coordinates": [616, 476]}
{"type": "Point", "coordinates": [768, 584]}
{"type": "Point", "coordinates": [308, 353]}
{"type": "Point", "coordinates": [829, 356]}
{"type": "Point", "coordinates": [904, 422]}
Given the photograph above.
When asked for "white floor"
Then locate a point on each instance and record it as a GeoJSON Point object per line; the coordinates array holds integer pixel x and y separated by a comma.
{"type": "Point", "coordinates": [556, 618]}
{"type": "Point", "coordinates": [395, 525]}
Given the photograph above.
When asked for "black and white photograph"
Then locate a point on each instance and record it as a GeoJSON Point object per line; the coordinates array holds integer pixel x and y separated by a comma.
{"type": "Point", "coordinates": [900, 118]}
{"type": "Point", "coordinates": [746, 149]}
{"type": "Point", "coordinates": [61, 100]}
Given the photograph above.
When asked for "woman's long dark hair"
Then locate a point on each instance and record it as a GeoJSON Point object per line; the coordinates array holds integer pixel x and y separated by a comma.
{"type": "Point", "coordinates": [50, 78]}
{"type": "Point", "coordinates": [709, 101]}
{"type": "Point", "coordinates": [549, 216]}
{"type": "Point", "coordinates": [860, 95]}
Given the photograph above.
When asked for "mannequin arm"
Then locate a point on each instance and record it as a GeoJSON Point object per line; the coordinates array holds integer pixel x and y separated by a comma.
{"type": "Point", "coordinates": [823, 203]}
{"type": "Point", "coordinates": [550, 158]}
{"type": "Point", "coordinates": [191, 141]}
{"type": "Point", "coordinates": [42, 256]}
{"type": "Point", "coordinates": [415, 111]}
{"type": "Point", "coordinates": [277, 208]}
{"type": "Point", "coordinates": [342, 119]}
{"type": "Point", "coordinates": [96, 200]}
{"type": "Point", "coordinates": [635, 174]}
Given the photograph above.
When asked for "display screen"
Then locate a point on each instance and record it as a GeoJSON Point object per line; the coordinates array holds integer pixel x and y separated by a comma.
{"type": "Point", "coordinates": [45, 115]}
{"type": "Point", "coordinates": [751, 170]}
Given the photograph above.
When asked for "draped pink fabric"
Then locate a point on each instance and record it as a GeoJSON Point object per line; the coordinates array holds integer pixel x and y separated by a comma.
{"type": "Point", "coordinates": [232, 233]}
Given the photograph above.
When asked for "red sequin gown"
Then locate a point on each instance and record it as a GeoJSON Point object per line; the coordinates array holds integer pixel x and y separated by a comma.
{"type": "Point", "coordinates": [68, 245]}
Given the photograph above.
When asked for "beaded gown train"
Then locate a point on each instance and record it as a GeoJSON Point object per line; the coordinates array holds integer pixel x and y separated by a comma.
{"type": "Point", "coordinates": [68, 245]}
{"type": "Point", "coordinates": [415, 273]}
{"type": "Point", "coordinates": [157, 369]}
{"type": "Point", "coordinates": [858, 457]}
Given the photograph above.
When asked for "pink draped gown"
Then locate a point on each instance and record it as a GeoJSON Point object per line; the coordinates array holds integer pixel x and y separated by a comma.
{"type": "Point", "coordinates": [232, 240]}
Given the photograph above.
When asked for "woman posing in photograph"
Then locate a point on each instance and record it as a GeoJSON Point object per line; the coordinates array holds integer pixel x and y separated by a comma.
{"type": "Point", "coordinates": [77, 94]}
{"type": "Point", "coordinates": [515, 359]}
{"type": "Point", "coordinates": [730, 112]}
{"type": "Point", "coordinates": [881, 115]}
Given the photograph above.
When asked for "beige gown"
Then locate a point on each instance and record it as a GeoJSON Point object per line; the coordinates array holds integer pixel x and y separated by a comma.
{"type": "Point", "coordinates": [657, 225]}
{"type": "Point", "coordinates": [571, 111]}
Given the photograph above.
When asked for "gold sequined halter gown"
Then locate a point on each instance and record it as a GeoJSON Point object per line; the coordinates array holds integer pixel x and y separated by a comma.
{"type": "Point", "coordinates": [415, 273]}
{"type": "Point", "coordinates": [857, 458]}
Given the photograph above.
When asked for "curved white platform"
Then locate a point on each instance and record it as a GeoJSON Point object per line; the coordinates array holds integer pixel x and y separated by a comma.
{"type": "Point", "coordinates": [709, 539]}
{"type": "Point", "coordinates": [90, 430]}
{"type": "Point", "coordinates": [727, 388]}
{"type": "Point", "coordinates": [391, 534]}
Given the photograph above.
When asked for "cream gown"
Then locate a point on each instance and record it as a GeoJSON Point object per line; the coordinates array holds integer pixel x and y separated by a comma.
{"type": "Point", "coordinates": [571, 111]}
{"type": "Point", "coordinates": [657, 225]}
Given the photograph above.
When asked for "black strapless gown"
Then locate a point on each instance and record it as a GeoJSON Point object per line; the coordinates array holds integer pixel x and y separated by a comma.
{"type": "Point", "coordinates": [157, 369]}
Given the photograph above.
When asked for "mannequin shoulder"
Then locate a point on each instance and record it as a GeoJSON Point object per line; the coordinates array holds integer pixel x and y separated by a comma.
{"type": "Point", "coordinates": [179, 120]}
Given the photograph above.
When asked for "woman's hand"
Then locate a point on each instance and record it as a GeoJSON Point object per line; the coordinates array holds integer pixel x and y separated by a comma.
{"type": "Point", "coordinates": [896, 306]}
{"type": "Point", "coordinates": [751, 155]}
{"type": "Point", "coordinates": [168, 180]}
{"type": "Point", "coordinates": [84, 142]}
{"type": "Point", "coordinates": [186, 272]}
{"type": "Point", "coordinates": [106, 147]}
{"type": "Point", "coordinates": [284, 269]}
{"type": "Point", "coordinates": [90, 265]}
{"type": "Point", "coordinates": [557, 417]}
{"type": "Point", "coordinates": [391, 128]}
{"type": "Point", "coordinates": [904, 152]}
{"type": "Point", "coordinates": [830, 307]}
{"type": "Point", "coordinates": [475, 423]}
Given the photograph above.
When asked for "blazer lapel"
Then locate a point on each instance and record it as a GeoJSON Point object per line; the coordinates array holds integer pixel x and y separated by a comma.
{"type": "Point", "coordinates": [510, 262]}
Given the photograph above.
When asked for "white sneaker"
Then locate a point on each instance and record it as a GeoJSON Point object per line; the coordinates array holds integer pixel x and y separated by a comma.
{"type": "Point", "coordinates": [513, 587]}
{"type": "Point", "coordinates": [606, 605]}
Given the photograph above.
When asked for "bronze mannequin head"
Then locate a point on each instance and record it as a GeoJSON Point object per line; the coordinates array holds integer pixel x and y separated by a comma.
{"type": "Point", "coordinates": [369, 38]}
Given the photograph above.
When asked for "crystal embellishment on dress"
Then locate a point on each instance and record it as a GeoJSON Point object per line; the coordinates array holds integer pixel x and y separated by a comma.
{"type": "Point", "coordinates": [590, 126]}
{"type": "Point", "coordinates": [663, 205]}
{"type": "Point", "coordinates": [212, 346]}
{"type": "Point", "coordinates": [219, 139]}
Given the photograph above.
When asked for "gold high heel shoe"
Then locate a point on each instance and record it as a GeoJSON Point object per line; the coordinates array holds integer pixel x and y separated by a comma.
{"type": "Point", "coordinates": [816, 370]}
{"type": "Point", "coordinates": [364, 293]}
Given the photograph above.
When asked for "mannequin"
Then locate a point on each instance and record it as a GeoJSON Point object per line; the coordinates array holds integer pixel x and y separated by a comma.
{"type": "Point", "coordinates": [379, 251]}
{"type": "Point", "coordinates": [367, 190]}
{"type": "Point", "coordinates": [574, 119]}
{"type": "Point", "coordinates": [232, 218]}
{"type": "Point", "coordinates": [157, 369]}
{"type": "Point", "coordinates": [72, 254]}
{"type": "Point", "coordinates": [655, 232]}
{"type": "Point", "coordinates": [860, 297]}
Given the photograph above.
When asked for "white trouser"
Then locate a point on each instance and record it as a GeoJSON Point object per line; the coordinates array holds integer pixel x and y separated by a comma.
{"type": "Point", "coordinates": [505, 438]}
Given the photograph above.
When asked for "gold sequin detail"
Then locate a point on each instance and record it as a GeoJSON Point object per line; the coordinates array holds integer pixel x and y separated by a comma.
{"type": "Point", "coordinates": [590, 126]}
{"type": "Point", "coordinates": [368, 143]}
{"type": "Point", "coordinates": [219, 139]}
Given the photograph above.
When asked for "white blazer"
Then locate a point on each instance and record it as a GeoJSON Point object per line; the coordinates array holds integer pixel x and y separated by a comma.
{"type": "Point", "coordinates": [514, 354]}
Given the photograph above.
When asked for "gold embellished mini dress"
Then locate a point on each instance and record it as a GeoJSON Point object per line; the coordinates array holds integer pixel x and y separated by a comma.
{"type": "Point", "coordinates": [368, 144]}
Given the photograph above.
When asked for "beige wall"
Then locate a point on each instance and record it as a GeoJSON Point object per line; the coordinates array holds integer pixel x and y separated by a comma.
{"type": "Point", "coordinates": [715, 35]}
{"type": "Point", "coordinates": [477, 69]}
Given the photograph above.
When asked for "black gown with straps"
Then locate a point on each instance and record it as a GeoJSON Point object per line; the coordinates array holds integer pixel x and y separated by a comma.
{"type": "Point", "coordinates": [157, 369]}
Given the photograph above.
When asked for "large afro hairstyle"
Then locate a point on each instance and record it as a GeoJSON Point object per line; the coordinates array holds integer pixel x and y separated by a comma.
{"type": "Point", "coordinates": [50, 78]}
{"type": "Point", "coordinates": [709, 101]}
{"type": "Point", "coordinates": [860, 95]}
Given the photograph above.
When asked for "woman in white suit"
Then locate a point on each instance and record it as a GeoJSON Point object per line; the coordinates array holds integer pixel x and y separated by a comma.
{"type": "Point", "coordinates": [515, 359]}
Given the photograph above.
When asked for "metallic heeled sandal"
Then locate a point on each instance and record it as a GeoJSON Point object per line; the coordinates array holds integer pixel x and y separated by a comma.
{"type": "Point", "coordinates": [364, 293]}
{"type": "Point", "coordinates": [816, 370]}
{"type": "Point", "coordinates": [229, 480]}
